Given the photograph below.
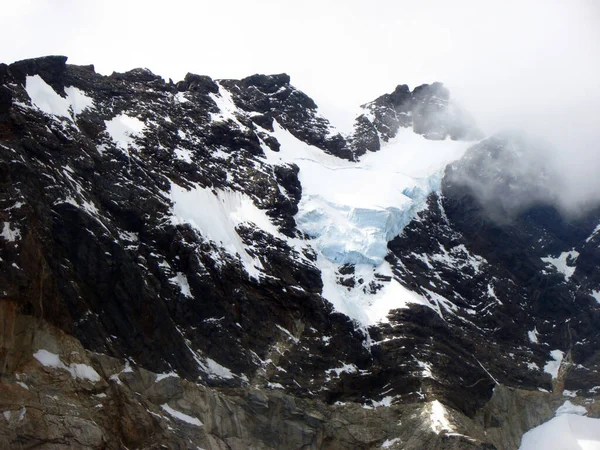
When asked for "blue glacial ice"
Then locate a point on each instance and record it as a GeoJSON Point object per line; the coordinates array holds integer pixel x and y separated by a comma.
{"type": "Point", "coordinates": [352, 209]}
{"type": "Point", "coordinates": [359, 235]}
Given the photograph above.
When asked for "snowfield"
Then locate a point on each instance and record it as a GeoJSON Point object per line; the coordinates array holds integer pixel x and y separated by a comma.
{"type": "Point", "coordinates": [81, 371]}
{"type": "Point", "coordinates": [564, 432]}
{"type": "Point", "coordinates": [216, 214]}
{"type": "Point", "coordinates": [45, 98]}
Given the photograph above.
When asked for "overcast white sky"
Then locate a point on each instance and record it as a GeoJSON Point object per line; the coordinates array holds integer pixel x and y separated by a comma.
{"type": "Point", "coordinates": [341, 52]}
{"type": "Point", "coordinates": [519, 63]}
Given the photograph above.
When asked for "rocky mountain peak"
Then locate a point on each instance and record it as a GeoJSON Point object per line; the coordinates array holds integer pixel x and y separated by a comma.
{"type": "Point", "coordinates": [428, 110]}
{"type": "Point", "coordinates": [50, 68]}
{"type": "Point", "coordinates": [269, 84]}
{"type": "Point", "coordinates": [210, 263]}
{"type": "Point", "coordinates": [198, 83]}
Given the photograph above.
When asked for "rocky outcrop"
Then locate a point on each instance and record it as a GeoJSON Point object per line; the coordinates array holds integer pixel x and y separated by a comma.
{"type": "Point", "coordinates": [495, 273]}
{"type": "Point", "coordinates": [428, 110]}
{"type": "Point", "coordinates": [62, 396]}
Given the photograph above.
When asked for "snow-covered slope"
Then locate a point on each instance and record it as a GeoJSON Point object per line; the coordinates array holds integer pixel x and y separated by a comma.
{"type": "Point", "coordinates": [564, 432]}
{"type": "Point", "coordinates": [352, 209]}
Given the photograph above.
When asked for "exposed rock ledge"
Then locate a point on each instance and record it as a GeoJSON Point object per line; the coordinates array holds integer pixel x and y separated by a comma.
{"type": "Point", "coordinates": [91, 401]}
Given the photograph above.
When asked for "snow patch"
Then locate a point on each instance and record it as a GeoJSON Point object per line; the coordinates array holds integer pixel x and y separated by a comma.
{"type": "Point", "coordinates": [215, 370]}
{"type": "Point", "coordinates": [346, 368]}
{"type": "Point", "coordinates": [80, 371]}
{"type": "Point", "coordinates": [552, 367]}
{"type": "Point", "coordinates": [181, 416]}
{"type": "Point", "coordinates": [45, 98]}
{"type": "Point", "coordinates": [390, 442]}
{"type": "Point", "coordinates": [48, 359]}
{"type": "Point", "coordinates": [426, 372]}
{"type": "Point", "coordinates": [84, 372]}
{"type": "Point", "coordinates": [184, 155]}
{"type": "Point", "coordinates": [129, 236]}
{"type": "Point", "coordinates": [287, 332]}
{"type": "Point", "coordinates": [124, 129]}
{"type": "Point", "coordinates": [594, 233]}
{"type": "Point", "coordinates": [565, 432]}
{"type": "Point", "coordinates": [596, 295]}
{"type": "Point", "coordinates": [162, 376]}
{"type": "Point", "coordinates": [78, 100]}
{"type": "Point", "coordinates": [561, 263]}
{"type": "Point", "coordinates": [533, 336]}
{"type": "Point", "coordinates": [216, 215]}
{"type": "Point", "coordinates": [9, 414]}
{"type": "Point", "coordinates": [386, 402]}
{"type": "Point", "coordinates": [439, 421]}
{"type": "Point", "coordinates": [227, 108]}
{"type": "Point", "coordinates": [459, 257]}
{"type": "Point", "coordinates": [181, 98]}
{"type": "Point", "coordinates": [570, 408]}
{"type": "Point", "coordinates": [367, 309]}
{"type": "Point", "coordinates": [9, 233]}
{"type": "Point", "coordinates": [181, 280]}
{"type": "Point", "coordinates": [492, 294]}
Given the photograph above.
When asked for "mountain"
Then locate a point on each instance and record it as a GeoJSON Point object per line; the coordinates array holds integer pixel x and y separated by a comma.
{"type": "Point", "coordinates": [211, 264]}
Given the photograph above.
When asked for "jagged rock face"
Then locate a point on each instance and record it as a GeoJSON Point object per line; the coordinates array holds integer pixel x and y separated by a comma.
{"type": "Point", "coordinates": [505, 295]}
{"type": "Point", "coordinates": [63, 396]}
{"type": "Point", "coordinates": [153, 223]}
{"type": "Point", "coordinates": [427, 109]}
{"type": "Point", "coordinates": [96, 251]}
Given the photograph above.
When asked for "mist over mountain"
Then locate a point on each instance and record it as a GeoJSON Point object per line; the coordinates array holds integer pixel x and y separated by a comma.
{"type": "Point", "coordinates": [211, 263]}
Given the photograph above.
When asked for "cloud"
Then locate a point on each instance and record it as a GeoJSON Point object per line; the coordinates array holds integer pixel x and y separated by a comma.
{"type": "Point", "coordinates": [512, 63]}
{"type": "Point", "coordinates": [544, 78]}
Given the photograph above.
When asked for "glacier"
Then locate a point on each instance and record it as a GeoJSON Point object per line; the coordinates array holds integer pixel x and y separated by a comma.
{"type": "Point", "coordinates": [350, 210]}
{"type": "Point", "coordinates": [353, 209]}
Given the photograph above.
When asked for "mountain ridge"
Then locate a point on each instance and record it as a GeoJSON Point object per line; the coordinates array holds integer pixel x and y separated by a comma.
{"type": "Point", "coordinates": [108, 236]}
